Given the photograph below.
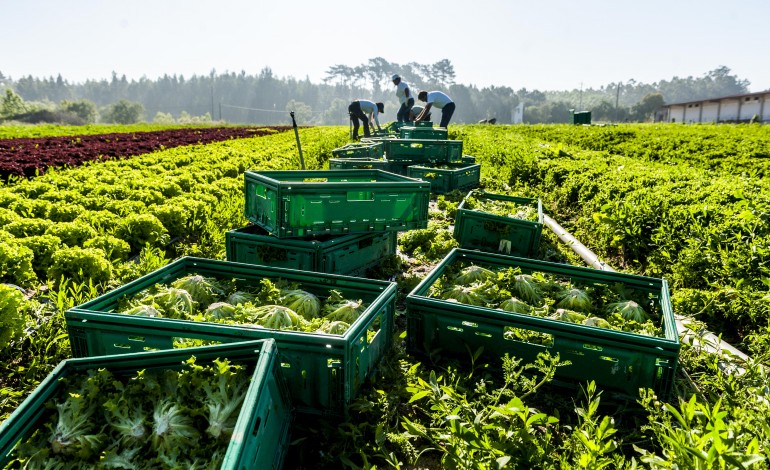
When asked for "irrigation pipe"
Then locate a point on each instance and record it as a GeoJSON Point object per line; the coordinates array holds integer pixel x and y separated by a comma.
{"type": "Point", "coordinates": [706, 340]}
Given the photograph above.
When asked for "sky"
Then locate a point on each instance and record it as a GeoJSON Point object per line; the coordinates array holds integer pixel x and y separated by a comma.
{"type": "Point", "coordinates": [534, 44]}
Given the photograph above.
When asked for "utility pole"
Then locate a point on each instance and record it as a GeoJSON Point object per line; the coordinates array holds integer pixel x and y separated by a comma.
{"type": "Point", "coordinates": [617, 98]}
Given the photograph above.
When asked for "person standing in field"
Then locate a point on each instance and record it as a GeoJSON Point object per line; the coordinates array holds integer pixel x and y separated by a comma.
{"type": "Point", "coordinates": [404, 97]}
{"type": "Point", "coordinates": [441, 101]}
{"type": "Point", "coordinates": [366, 111]}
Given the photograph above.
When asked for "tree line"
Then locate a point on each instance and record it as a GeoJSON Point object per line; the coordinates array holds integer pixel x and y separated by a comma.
{"type": "Point", "coordinates": [266, 99]}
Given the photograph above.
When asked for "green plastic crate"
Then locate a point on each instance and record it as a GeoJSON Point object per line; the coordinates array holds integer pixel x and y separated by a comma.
{"type": "Point", "coordinates": [398, 168]}
{"type": "Point", "coordinates": [261, 435]}
{"type": "Point", "coordinates": [446, 178]}
{"type": "Point", "coordinates": [619, 362]}
{"type": "Point", "coordinates": [302, 203]}
{"type": "Point", "coordinates": [359, 150]}
{"type": "Point", "coordinates": [358, 164]}
{"type": "Point", "coordinates": [424, 150]}
{"type": "Point", "coordinates": [470, 159]}
{"type": "Point", "coordinates": [335, 254]}
{"type": "Point", "coordinates": [489, 232]}
{"type": "Point", "coordinates": [410, 132]}
{"type": "Point", "coordinates": [388, 130]}
{"type": "Point", "coordinates": [324, 372]}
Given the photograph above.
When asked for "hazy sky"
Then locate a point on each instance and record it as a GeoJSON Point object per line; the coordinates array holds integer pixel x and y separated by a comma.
{"type": "Point", "coordinates": [542, 44]}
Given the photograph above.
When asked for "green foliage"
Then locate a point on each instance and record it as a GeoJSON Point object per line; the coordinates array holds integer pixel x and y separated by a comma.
{"type": "Point", "coordinates": [27, 227]}
{"type": "Point", "coordinates": [11, 105]}
{"type": "Point", "coordinates": [140, 230]}
{"type": "Point", "coordinates": [485, 429]}
{"type": "Point", "coordinates": [84, 109]}
{"type": "Point", "coordinates": [432, 243]}
{"type": "Point", "coordinates": [12, 315]}
{"type": "Point", "coordinates": [16, 264]}
{"type": "Point", "coordinates": [65, 212]}
{"type": "Point", "coordinates": [71, 233]}
{"type": "Point", "coordinates": [115, 248]}
{"type": "Point", "coordinates": [726, 433]}
{"type": "Point", "coordinates": [31, 206]}
{"type": "Point", "coordinates": [80, 265]}
{"type": "Point", "coordinates": [43, 247]}
{"type": "Point", "coordinates": [124, 112]}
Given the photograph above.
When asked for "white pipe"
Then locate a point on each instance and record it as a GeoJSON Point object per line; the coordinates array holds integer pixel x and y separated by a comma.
{"type": "Point", "coordinates": [702, 338]}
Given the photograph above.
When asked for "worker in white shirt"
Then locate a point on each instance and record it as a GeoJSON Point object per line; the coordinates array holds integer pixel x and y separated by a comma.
{"type": "Point", "coordinates": [415, 111]}
{"type": "Point", "coordinates": [439, 100]}
{"type": "Point", "coordinates": [404, 97]}
{"type": "Point", "coordinates": [367, 111]}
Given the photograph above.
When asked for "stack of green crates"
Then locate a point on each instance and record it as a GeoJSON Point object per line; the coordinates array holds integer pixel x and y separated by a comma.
{"type": "Point", "coordinates": [339, 222]}
{"type": "Point", "coordinates": [417, 143]}
{"type": "Point", "coordinates": [359, 150]}
{"type": "Point", "coordinates": [259, 439]}
{"type": "Point", "coordinates": [336, 254]}
{"type": "Point", "coordinates": [423, 130]}
{"type": "Point", "coordinates": [358, 164]}
{"type": "Point", "coordinates": [298, 203]}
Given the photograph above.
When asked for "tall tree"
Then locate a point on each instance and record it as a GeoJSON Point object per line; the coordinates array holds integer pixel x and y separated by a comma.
{"type": "Point", "coordinates": [443, 72]}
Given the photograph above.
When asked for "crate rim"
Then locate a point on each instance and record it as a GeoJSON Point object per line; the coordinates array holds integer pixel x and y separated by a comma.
{"type": "Point", "coordinates": [390, 179]}
{"type": "Point", "coordinates": [417, 295]}
{"type": "Point", "coordinates": [185, 263]}
{"type": "Point", "coordinates": [458, 166]}
{"type": "Point", "coordinates": [502, 197]}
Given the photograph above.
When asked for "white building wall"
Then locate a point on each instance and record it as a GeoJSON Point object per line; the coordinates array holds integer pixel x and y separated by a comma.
{"type": "Point", "coordinates": [766, 109]}
{"type": "Point", "coordinates": [676, 114]}
{"type": "Point", "coordinates": [729, 110]}
{"type": "Point", "coordinates": [692, 112]}
{"type": "Point", "coordinates": [750, 108]}
{"type": "Point", "coordinates": [710, 112]}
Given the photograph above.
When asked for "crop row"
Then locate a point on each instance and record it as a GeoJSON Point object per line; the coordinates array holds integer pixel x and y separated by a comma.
{"type": "Point", "coordinates": [706, 232]}
{"type": "Point", "coordinates": [83, 223]}
{"type": "Point", "coordinates": [31, 156]}
{"type": "Point", "coordinates": [27, 131]}
{"type": "Point", "coordinates": [734, 149]}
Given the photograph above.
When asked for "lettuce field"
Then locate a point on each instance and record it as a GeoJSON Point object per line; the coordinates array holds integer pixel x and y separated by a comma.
{"type": "Point", "coordinates": [690, 204]}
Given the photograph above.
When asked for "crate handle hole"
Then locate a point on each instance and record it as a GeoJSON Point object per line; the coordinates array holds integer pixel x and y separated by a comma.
{"type": "Point", "coordinates": [360, 196]}
{"type": "Point", "coordinates": [523, 335]}
{"type": "Point", "coordinates": [454, 328]}
{"type": "Point", "coordinates": [121, 346]}
{"type": "Point", "coordinates": [140, 339]}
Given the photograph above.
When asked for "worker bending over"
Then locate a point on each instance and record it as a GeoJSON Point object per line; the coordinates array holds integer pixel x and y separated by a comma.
{"type": "Point", "coordinates": [439, 100]}
{"type": "Point", "coordinates": [367, 111]}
